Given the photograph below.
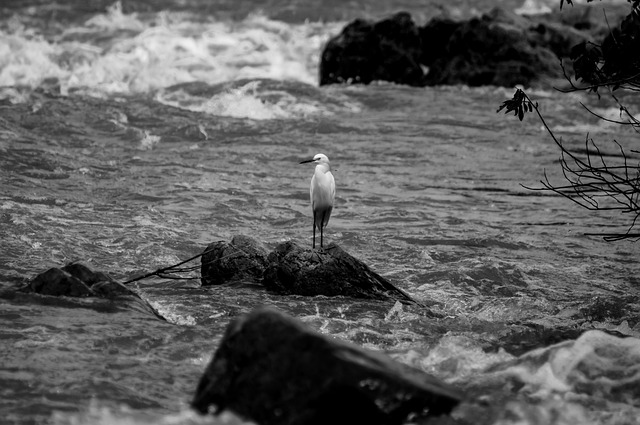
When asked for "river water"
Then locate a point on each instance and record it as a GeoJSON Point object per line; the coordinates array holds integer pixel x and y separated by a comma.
{"type": "Point", "coordinates": [133, 135]}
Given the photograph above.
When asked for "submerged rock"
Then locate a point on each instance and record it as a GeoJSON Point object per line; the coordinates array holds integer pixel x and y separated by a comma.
{"type": "Point", "coordinates": [274, 370]}
{"type": "Point", "coordinates": [77, 280]}
{"type": "Point", "coordinates": [244, 258]}
{"type": "Point", "coordinates": [328, 271]}
{"type": "Point", "coordinates": [58, 282]}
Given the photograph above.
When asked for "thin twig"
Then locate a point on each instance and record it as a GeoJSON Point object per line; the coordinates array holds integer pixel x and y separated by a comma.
{"type": "Point", "coordinates": [593, 183]}
{"type": "Point", "coordinates": [166, 272]}
{"type": "Point", "coordinates": [163, 270]}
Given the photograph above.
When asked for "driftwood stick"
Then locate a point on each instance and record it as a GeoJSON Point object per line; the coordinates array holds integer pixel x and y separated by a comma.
{"type": "Point", "coordinates": [163, 270]}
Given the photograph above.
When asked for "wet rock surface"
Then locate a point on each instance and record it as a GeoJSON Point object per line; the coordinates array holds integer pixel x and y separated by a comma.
{"type": "Point", "coordinates": [290, 269]}
{"type": "Point", "coordinates": [365, 51]}
{"type": "Point", "coordinates": [78, 281]}
{"type": "Point", "coordinates": [243, 258]}
{"type": "Point", "coordinates": [273, 369]}
{"type": "Point", "coordinates": [327, 271]}
{"type": "Point", "coordinates": [498, 48]}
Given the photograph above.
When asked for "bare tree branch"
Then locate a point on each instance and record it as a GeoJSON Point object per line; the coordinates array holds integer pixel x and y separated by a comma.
{"type": "Point", "coordinates": [592, 182]}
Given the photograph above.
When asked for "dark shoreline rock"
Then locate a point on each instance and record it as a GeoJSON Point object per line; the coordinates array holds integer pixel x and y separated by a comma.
{"type": "Point", "coordinates": [387, 50]}
{"type": "Point", "coordinates": [274, 370]}
{"type": "Point", "coordinates": [499, 48]}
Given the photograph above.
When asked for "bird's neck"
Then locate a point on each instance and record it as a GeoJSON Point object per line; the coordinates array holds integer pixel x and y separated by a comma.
{"type": "Point", "coordinates": [322, 168]}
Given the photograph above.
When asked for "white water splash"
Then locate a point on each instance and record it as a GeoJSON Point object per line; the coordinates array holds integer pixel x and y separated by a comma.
{"type": "Point", "coordinates": [119, 53]}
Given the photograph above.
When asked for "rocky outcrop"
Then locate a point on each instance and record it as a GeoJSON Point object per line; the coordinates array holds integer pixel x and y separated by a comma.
{"type": "Point", "coordinates": [365, 51]}
{"type": "Point", "coordinates": [489, 51]}
{"type": "Point", "coordinates": [290, 269]}
{"type": "Point", "coordinates": [274, 370]}
{"type": "Point", "coordinates": [330, 271]}
{"type": "Point", "coordinates": [243, 259]}
{"type": "Point", "coordinates": [499, 48]}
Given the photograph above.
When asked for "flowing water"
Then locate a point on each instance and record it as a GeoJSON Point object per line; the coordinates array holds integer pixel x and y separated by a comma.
{"type": "Point", "coordinates": [133, 135]}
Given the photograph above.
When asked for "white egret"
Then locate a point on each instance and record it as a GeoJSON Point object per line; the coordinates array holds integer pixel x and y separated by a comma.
{"type": "Point", "coordinates": [322, 194]}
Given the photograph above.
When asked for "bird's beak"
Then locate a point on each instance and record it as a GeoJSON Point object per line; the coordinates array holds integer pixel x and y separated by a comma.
{"type": "Point", "coordinates": [307, 161]}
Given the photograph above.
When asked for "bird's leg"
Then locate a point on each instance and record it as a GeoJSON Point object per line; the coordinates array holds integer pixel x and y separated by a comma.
{"type": "Point", "coordinates": [322, 228]}
{"type": "Point", "coordinates": [314, 230]}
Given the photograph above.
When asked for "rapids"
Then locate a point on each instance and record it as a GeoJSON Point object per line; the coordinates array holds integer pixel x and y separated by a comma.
{"type": "Point", "coordinates": [134, 135]}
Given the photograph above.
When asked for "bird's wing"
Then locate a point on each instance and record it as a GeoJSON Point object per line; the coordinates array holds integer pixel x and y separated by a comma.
{"type": "Point", "coordinates": [313, 184]}
{"type": "Point", "coordinates": [332, 182]}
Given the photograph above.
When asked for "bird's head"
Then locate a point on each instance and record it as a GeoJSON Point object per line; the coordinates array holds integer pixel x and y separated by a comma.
{"type": "Point", "coordinates": [319, 158]}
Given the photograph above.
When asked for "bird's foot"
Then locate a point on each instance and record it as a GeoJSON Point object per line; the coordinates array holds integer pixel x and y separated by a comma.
{"type": "Point", "coordinates": [314, 256]}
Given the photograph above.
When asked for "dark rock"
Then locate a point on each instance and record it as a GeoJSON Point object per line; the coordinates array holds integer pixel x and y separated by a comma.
{"type": "Point", "coordinates": [192, 132]}
{"type": "Point", "coordinates": [85, 274]}
{"type": "Point", "coordinates": [274, 370]}
{"type": "Point", "coordinates": [112, 289]}
{"type": "Point", "coordinates": [244, 259]}
{"type": "Point", "coordinates": [388, 50]}
{"type": "Point", "coordinates": [495, 49]}
{"type": "Point", "coordinates": [500, 48]}
{"type": "Point", "coordinates": [290, 269]}
{"type": "Point", "coordinates": [529, 336]}
{"type": "Point", "coordinates": [328, 271]}
{"type": "Point", "coordinates": [558, 38]}
{"type": "Point", "coordinates": [601, 309]}
{"type": "Point", "coordinates": [435, 35]}
{"type": "Point", "coordinates": [77, 280]}
{"type": "Point", "coordinates": [58, 283]}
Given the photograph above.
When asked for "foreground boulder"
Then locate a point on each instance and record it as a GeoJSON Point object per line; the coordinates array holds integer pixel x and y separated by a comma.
{"type": "Point", "coordinates": [274, 370]}
{"type": "Point", "coordinates": [330, 271]}
{"type": "Point", "coordinates": [499, 48]}
{"type": "Point", "coordinates": [77, 280]}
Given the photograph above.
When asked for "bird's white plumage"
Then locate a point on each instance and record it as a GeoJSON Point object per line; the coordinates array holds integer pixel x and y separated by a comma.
{"type": "Point", "coordinates": [322, 193]}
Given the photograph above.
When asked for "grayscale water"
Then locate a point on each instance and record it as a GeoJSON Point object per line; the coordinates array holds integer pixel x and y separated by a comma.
{"type": "Point", "coordinates": [131, 138]}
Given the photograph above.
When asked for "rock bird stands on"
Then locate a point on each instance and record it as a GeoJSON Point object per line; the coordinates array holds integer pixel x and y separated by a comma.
{"type": "Point", "coordinates": [322, 193]}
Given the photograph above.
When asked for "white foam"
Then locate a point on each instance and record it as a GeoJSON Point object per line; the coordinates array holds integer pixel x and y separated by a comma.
{"type": "Point", "coordinates": [99, 413]}
{"type": "Point", "coordinates": [260, 100]}
{"type": "Point", "coordinates": [457, 357]}
{"type": "Point", "coordinates": [533, 7]}
{"type": "Point", "coordinates": [595, 364]}
{"type": "Point", "coordinates": [243, 102]}
{"type": "Point", "coordinates": [119, 53]}
{"type": "Point", "coordinates": [26, 60]}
